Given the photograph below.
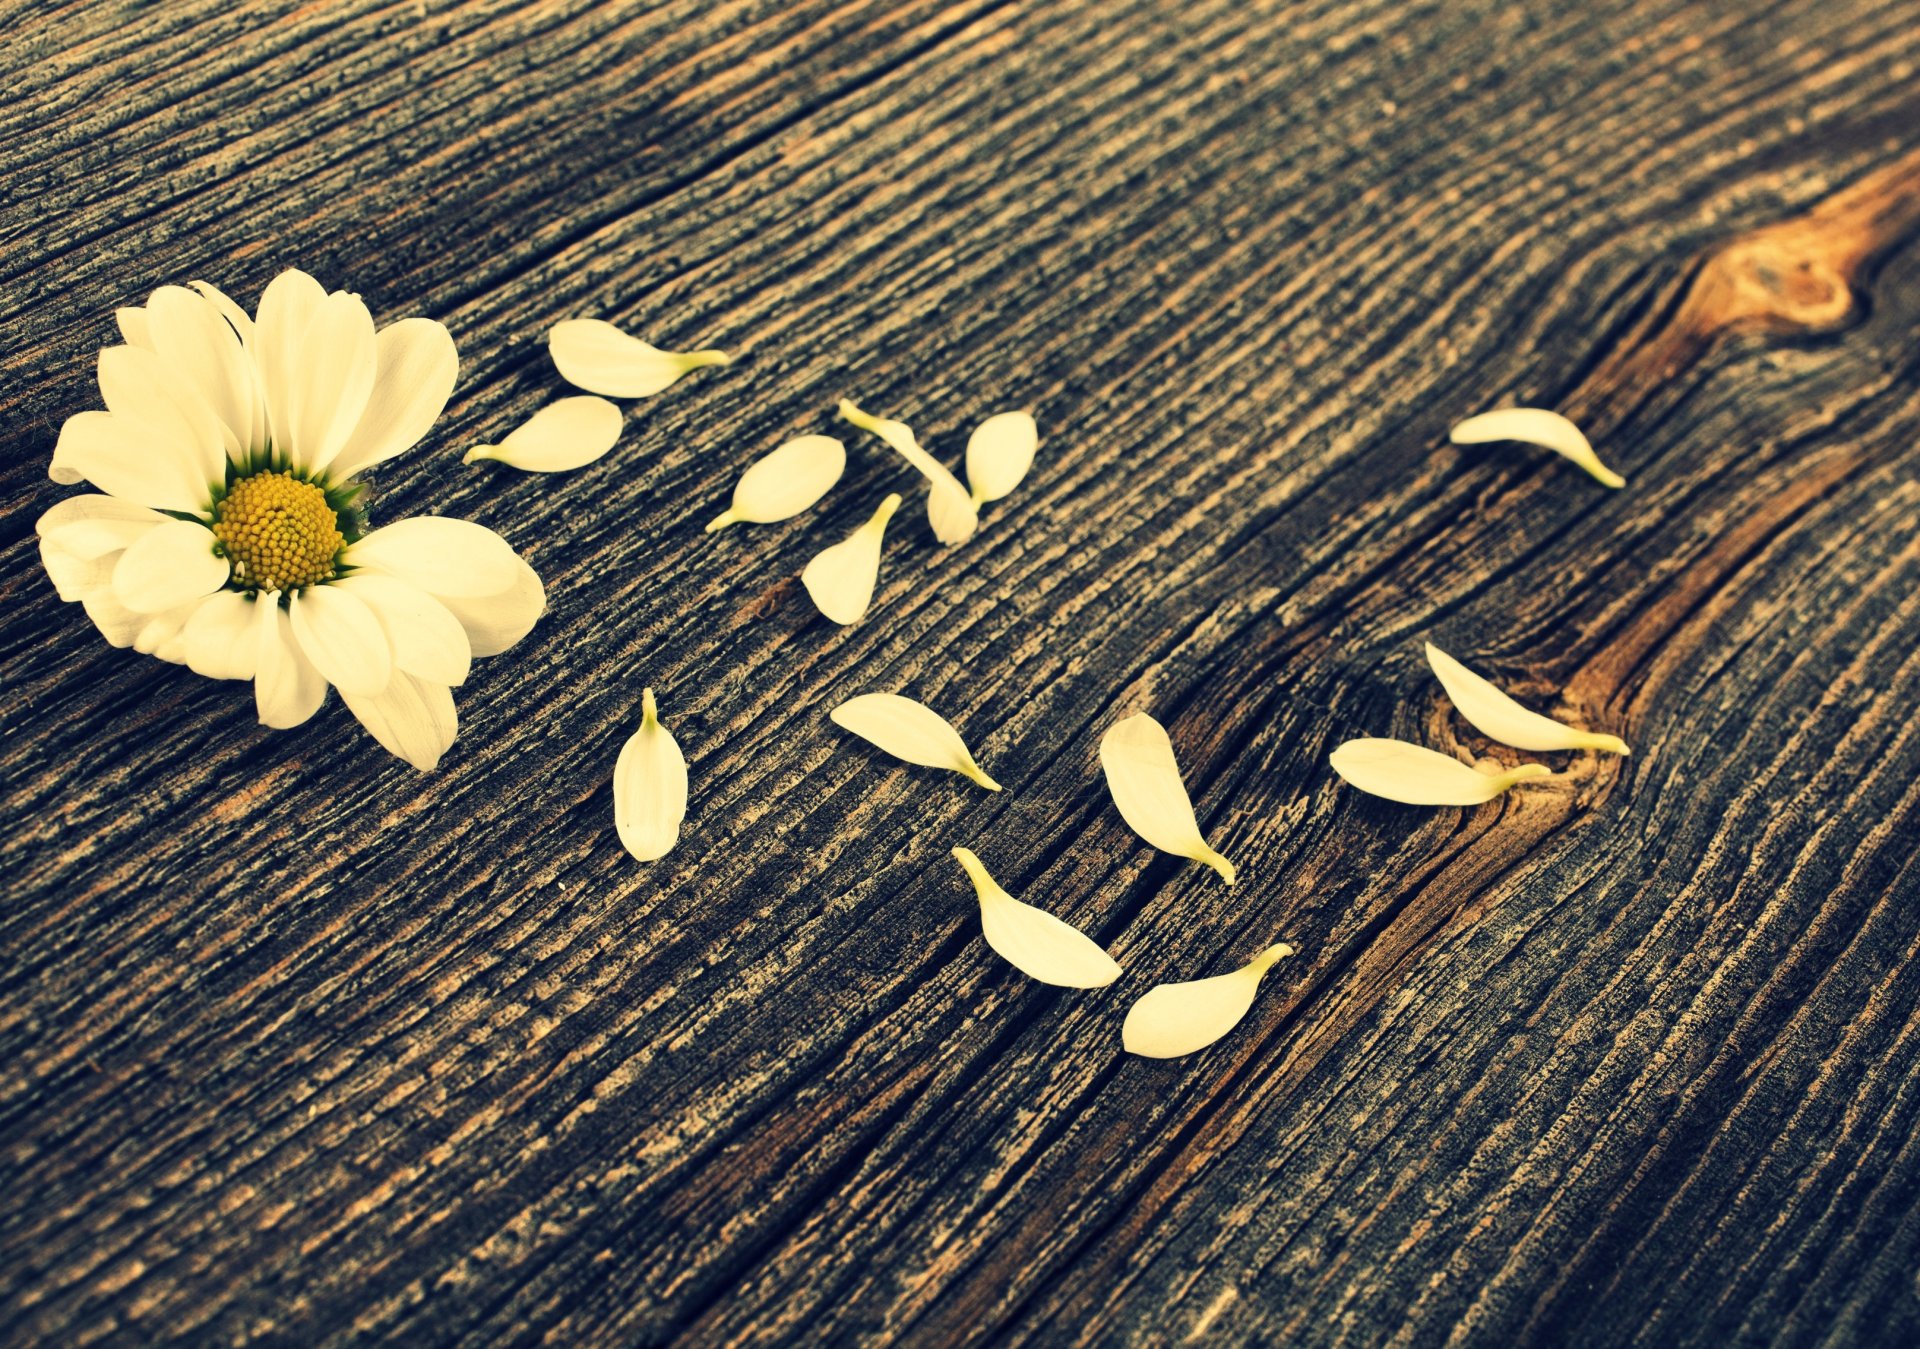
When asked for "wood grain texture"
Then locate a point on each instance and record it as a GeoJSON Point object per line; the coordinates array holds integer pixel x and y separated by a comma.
{"type": "Point", "coordinates": [299, 1045]}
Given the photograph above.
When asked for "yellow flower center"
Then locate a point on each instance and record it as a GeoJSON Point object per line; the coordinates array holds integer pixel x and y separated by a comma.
{"type": "Point", "coordinates": [278, 533]}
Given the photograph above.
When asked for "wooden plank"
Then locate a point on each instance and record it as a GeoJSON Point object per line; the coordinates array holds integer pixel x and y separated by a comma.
{"type": "Point", "coordinates": [300, 1043]}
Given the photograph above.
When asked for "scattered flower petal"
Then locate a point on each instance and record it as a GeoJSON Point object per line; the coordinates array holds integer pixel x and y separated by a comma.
{"type": "Point", "coordinates": [841, 578]}
{"type": "Point", "coordinates": [1034, 941]}
{"type": "Point", "coordinates": [594, 355]}
{"type": "Point", "coordinates": [1536, 426]}
{"type": "Point", "coordinates": [1145, 781]}
{"type": "Point", "coordinates": [1493, 713]}
{"type": "Point", "coordinates": [1175, 1019]}
{"type": "Point", "coordinates": [785, 482]}
{"type": "Point", "coordinates": [568, 433]}
{"type": "Point", "coordinates": [950, 510]}
{"type": "Point", "coordinates": [999, 453]}
{"type": "Point", "coordinates": [650, 787]}
{"type": "Point", "coordinates": [1417, 776]}
{"type": "Point", "coordinates": [911, 731]}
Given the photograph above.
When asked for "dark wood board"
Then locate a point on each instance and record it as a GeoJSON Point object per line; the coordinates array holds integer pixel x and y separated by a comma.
{"type": "Point", "coordinates": [298, 1044]}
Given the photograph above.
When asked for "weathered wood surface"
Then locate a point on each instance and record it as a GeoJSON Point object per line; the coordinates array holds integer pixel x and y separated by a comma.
{"type": "Point", "coordinates": [298, 1044]}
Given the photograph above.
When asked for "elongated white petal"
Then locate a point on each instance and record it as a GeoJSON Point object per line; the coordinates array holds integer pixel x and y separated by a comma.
{"type": "Point", "coordinates": [785, 482]}
{"type": "Point", "coordinates": [332, 381]}
{"type": "Point", "coordinates": [132, 321]}
{"type": "Point", "coordinates": [90, 526]}
{"type": "Point", "coordinates": [568, 433]}
{"type": "Point", "coordinates": [999, 453]}
{"type": "Point", "coordinates": [443, 556]}
{"type": "Point", "coordinates": [594, 355]}
{"type": "Point", "coordinates": [1145, 781]}
{"type": "Point", "coordinates": [650, 787]}
{"type": "Point", "coordinates": [1536, 426]}
{"type": "Point", "coordinates": [109, 453]}
{"type": "Point", "coordinates": [495, 622]}
{"type": "Point", "coordinates": [1032, 940]}
{"type": "Point", "coordinates": [950, 510]}
{"type": "Point", "coordinates": [242, 324]}
{"type": "Point", "coordinates": [1175, 1019]}
{"type": "Point", "coordinates": [841, 578]}
{"type": "Point", "coordinates": [340, 635]}
{"type": "Point", "coordinates": [412, 718]}
{"type": "Point", "coordinates": [221, 642]}
{"type": "Point", "coordinates": [288, 307]}
{"type": "Point", "coordinates": [1417, 776]}
{"type": "Point", "coordinates": [1493, 713]}
{"type": "Point", "coordinates": [286, 688]}
{"type": "Point", "coordinates": [415, 368]}
{"type": "Point", "coordinates": [168, 566]}
{"type": "Point", "coordinates": [202, 353]}
{"type": "Point", "coordinates": [911, 731]}
{"type": "Point", "coordinates": [427, 640]}
{"type": "Point", "coordinates": [169, 415]}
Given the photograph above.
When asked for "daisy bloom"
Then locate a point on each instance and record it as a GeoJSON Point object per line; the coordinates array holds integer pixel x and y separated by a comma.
{"type": "Point", "coordinates": [231, 534]}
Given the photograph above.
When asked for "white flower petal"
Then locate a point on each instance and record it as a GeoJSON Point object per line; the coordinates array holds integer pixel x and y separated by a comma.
{"type": "Point", "coordinates": [569, 433]}
{"type": "Point", "coordinates": [1416, 776]}
{"type": "Point", "coordinates": [163, 634]}
{"type": "Point", "coordinates": [75, 576]}
{"type": "Point", "coordinates": [101, 449]}
{"type": "Point", "coordinates": [1493, 713]}
{"type": "Point", "coordinates": [413, 719]}
{"type": "Point", "coordinates": [999, 453]}
{"type": "Point", "coordinates": [950, 510]}
{"type": "Point", "coordinates": [1032, 940]}
{"type": "Point", "coordinates": [650, 787]}
{"type": "Point", "coordinates": [1145, 781]}
{"type": "Point", "coordinates": [1175, 1019]}
{"type": "Point", "coordinates": [495, 622]}
{"type": "Point", "coordinates": [169, 417]}
{"type": "Point", "coordinates": [841, 578]}
{"type": "Point", "coordinates": [594, 355]}
{"type": "Point", "coordinates": [332, 382]}
{"type": "Point", "coordinates": [342, 638]}
{"type": "Point", "coordinates": [167, 566]}
{"type": "Point", "coordinates": [443, 556]}
{"type": "Point", "coordinates": [288, 307]}
{"type": "Point", "coordinates": [427, 640]}
{"type": "Point", "coordinates": [286, 688]}
{"type": "Point", "coordinates": [257, 431]}
{"type": "Point", "coordinates": [133, 326]}
{"type": "Point", "coordinates": [201, 352]}
{"type": "Point", "coordinates": [1536, 426]}
{"type": "Point", "coordinates": [911, 731]}
{"type": "Point", "coordinates": [221, 637]}
{"type": "Point", "coordinates": [785, 482]}
{"type": "Point", "coordinates": [415, 368]}
{"type": "Point", "coordinates": [117, 623]}
{"type": "Point", "coordinates": [89, 526]}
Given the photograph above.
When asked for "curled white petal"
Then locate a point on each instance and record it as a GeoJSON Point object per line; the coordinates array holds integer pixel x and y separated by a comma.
{"type": "Point", "coordinates": [567, 433]}
{"type": "Point", "coordinates": [168, 566]}
{"type": "Point", "coordinates": [650, 787]}
{"type": "Point", "coordinates": [594, 355]}
{"type": "Point", "coordinates": [785, 482]}
{"type": "Point", "coordinates": [415, 368]}
{"type": "Point", "coordinates": [912, 731]}
{"type": "Point", "coordinates": [286, 688]}
{"type": "Point", "coordinates": [1494, 714]}
{"type": "Point", "coordinates": [1032, 940]}
{"type": "Point", "coordinates": [999, 453]}
{"type": "Point", "coordinates": [840, 579]}
{"type": "Point", "coordinates": [1536, 426]}
{"type": "Point", "coordinates": [89, 526]}
{"type": "Point", "coordinates": [950, 510]}
{"type": "Point", "coordinates": [412, 718]}
{"type": "Point", "coordinates": [1175, 1019]}
{"type": "Point", "coordinates": [1417, 776]}
{"type": "Point", "coordinates": [1145, 781]}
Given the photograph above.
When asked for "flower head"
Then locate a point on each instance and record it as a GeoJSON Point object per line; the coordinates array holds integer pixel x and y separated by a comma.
{"type": "Point", "coordinates": [231, 534]}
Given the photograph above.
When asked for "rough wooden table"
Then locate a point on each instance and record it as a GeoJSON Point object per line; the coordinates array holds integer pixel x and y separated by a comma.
{"type": "Point", "coordinates": [298, 1044]}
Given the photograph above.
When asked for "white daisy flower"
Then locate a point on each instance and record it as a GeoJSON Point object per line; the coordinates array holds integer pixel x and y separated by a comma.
{"type": "Point", "coordinates": [232, 537]}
